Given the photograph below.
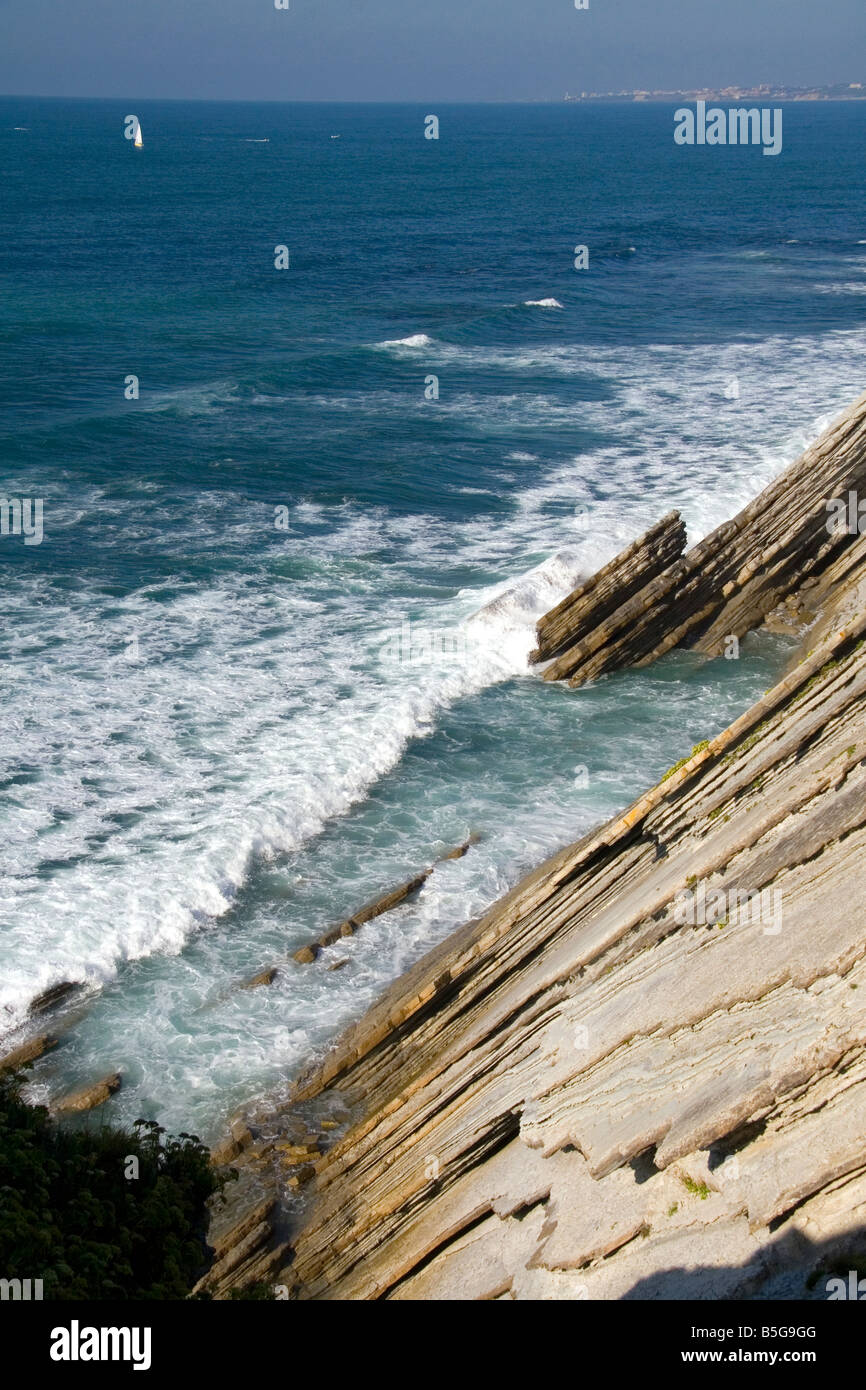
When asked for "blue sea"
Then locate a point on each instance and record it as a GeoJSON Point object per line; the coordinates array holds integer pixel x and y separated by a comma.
{"type": "Point", "coordinates": [270, 657]}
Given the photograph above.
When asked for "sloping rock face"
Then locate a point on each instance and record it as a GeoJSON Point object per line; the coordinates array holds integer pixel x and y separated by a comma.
{"type": "Point", "coordinates": [572, 620]}
{"type": "Point", "coordinates": [241, 1235]}
{"type": "Point", "coordinates": [724, 586]}
{"type": "Point", "coordinates": [643, 1073]}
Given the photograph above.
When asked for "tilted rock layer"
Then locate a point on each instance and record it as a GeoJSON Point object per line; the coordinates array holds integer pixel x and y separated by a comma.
{"type": "Point", "coordinates": [724, 586]}
{"type": "Point", "coordinates": [642, 1074]}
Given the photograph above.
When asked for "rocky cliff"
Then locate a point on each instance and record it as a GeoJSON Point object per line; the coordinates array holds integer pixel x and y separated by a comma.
{"type": "Point", "coordinates": [652, 598]}
{"type": "Point", "coordinates": [643, 1073]}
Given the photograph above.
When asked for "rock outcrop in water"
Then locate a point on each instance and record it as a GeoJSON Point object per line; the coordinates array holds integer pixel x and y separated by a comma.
{"type": "Point", "coordinates": [385, 902]}
{"type": "Point", "coordinates": [88, 1097]}
{"type": "Point", "coordinates": [589, 605]}
{"type": "Point", "coordinates": [28, 1051]}
{"type": "Point", "coordinates": [642, 1074]}
{"type": "Point", "coordinates": [633, 612]}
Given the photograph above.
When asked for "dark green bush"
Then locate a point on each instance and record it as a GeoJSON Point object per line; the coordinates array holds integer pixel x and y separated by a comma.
{"type": "Point", "coordinates": [71, 1217]}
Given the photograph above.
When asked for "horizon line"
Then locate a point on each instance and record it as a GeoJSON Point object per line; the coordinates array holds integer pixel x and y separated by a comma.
{"type": "Point", "coordinates": [566, 99]}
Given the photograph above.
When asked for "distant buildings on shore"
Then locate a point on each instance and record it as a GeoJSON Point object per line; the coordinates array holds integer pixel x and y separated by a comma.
{"type": "Point", "coordinates": [837, 91]}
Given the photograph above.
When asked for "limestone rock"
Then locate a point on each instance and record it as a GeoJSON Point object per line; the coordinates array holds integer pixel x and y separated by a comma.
{"type": "Point", "coordinates": [28, 1051]}
{"type": "Point", "coordinates": [88, 1097]}
{"type": "Point", "coordinates": [654, 1089]}
{"type": "Point", "coordinates": [600, 1089]}
{"type": "Point", "coordinates": [632, 611]}
{"type": "Point", "coordinates": [223, 1152]}
{"type": "Point", "coordinates": [600, 596]}
{"type": "Point", "coordinates": [49, 998]}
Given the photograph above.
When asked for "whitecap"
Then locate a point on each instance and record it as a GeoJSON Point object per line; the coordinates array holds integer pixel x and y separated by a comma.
{"type": "Point", "coordinates": [415, 340]}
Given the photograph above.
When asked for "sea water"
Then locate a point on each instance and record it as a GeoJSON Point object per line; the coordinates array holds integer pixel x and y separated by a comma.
{"type": "Point", "coordinates": [269, 657]}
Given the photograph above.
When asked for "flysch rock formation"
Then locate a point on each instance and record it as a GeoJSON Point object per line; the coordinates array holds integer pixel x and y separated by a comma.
{"type": "Point", "coordinates": [642, 1074]}
{"type": "Point", "coordinates": [599, 597]}
{"type": "Point", "coordinates": [634, 610]}
{"type": "Point", "coordinates": [88, 1097]}
{"type": "Point", "coordinates": [586, 1095]}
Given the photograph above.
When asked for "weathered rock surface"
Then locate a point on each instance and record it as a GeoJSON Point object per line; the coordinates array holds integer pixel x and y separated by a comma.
{"type": "Point", "coordinates": [88, 1097]}
{"type": "Point", "coordinates": [630, 613]}
{"type": "Point", "coordinates": [241, 1233]}
{"type": "Point", "coordinates": [49, 998]}
{"type": "Point", "coordinates": [28, 1051]}
{"type": "Point", "coordinates": [583, 1095]}
{"type": "Point", "coordinates": [591, 603]}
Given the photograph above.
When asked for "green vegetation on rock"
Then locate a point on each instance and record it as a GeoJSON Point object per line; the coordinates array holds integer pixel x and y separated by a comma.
{"type": "Point", "coordinates": [698, 748]}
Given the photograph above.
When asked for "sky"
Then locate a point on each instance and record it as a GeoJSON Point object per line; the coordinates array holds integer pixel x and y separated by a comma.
{"type": "Point", "coordinates": [420, 50]}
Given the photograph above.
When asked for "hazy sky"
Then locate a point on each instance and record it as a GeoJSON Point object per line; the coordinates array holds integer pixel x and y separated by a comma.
{"type": "Point", "coordinates": [419, 50]}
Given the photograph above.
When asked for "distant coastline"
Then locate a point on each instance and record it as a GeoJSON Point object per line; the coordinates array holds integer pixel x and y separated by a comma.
{"type": "Point", "coordinates": [837, 91]}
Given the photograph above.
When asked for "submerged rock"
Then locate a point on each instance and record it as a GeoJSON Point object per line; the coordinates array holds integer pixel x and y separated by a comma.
{"type": "Point", "coordinates": [53, 996]}
{"type": "Point", "coordinates": [264, 977]}
{"type": "Point", "coordinates": [386, 902]}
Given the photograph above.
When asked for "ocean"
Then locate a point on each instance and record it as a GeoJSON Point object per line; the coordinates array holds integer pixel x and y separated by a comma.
{"type": "Point", "coordinates": [270, 656]}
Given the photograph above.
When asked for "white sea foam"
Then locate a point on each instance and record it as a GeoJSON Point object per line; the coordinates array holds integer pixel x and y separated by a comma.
{"type": "Point", "coordinates": [415, 340]}
{"type": "Point", "coordinates": [256, 712]}
{"type": "Point", "coordinates": [842, 287]}
{"type": "Point", "coordinates": [507, 621]}
{"type": "Point", "coordinates": [542, 303]}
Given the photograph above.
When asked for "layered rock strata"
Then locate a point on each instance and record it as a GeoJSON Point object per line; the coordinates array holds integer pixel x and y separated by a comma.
{"type": "Point", "coordinates": [593, 1092]}
{"type": "Point", "coordinates": [642, 1074]}
{"type": "Point", "coordinates": [592, 602]}
{"type": "Point", "coordinates": [723, 587]}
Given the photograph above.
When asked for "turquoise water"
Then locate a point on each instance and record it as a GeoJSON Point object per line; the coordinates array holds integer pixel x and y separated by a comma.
{"type": "Point", "coordinates": [219, 735]}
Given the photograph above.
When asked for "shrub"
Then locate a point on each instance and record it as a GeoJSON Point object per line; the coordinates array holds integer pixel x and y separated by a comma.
{"type": "Point", "coordinates": [70, 1215]}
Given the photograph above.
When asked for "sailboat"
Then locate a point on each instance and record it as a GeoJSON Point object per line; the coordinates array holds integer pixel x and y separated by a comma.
{"type": "Point", "coordinates": [138, 140]}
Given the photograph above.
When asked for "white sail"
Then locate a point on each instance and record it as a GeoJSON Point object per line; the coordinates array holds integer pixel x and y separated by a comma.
{"type": "Point", "coordinates": [138, 140]}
